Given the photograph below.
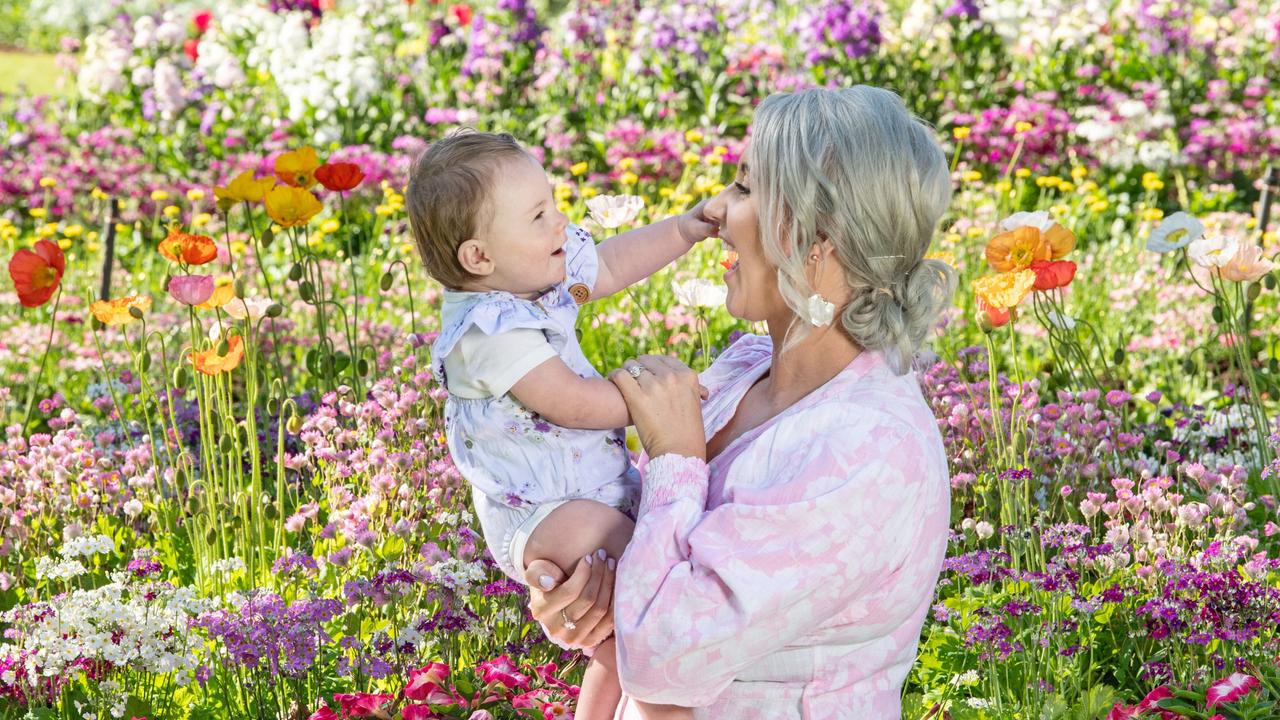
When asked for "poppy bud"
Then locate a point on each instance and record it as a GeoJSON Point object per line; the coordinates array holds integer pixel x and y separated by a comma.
{"type": "Point", "coordinates": [224, 444]}
{"type": "Point", "coordinates": [144, 361]}
{"type": "Point", "coordinates": [268, 237]}
{"type": "Point", "coordinates": [1217, 313]}
{"type": "Point", "coordinates": [180, 377]}
{"type": "Point", "coordinates": [1254, 291]}
{"type": "Point", "coordinates": [1269, 280]}
{"type": "Point", "coordinates": [295, 272]}
{"type": "Point", "coordinates": [135, 312]}
{"type": "Point", "coordinates": [274, 310]}
{"type": "Point", "coordinates": [1118, 357]}
{"type": "Point", "coordinates": [386, 281]}
{"type": "Point", "coordinates": [211, 537]}
{"type": "Point", "coordinates": [362, 367]}
{"type": "Point", "coordinates": [294, 425]}
{"type": "Point", "coordinates": [239, 286]}
{"type": "Point", "coordinates": [271, 512]}
{"type": "Point", "coordinates": [306, 291]}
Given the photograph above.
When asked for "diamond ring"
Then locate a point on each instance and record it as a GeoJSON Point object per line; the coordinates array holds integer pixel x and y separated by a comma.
{"type": "Point", "coordinates": [635, 370]}
{"type": "Point", "coordinates": [568, 624]}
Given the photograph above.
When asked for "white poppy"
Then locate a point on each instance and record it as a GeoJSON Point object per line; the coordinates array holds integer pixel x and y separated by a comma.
{"type": "Point", "coordinates": [699, 293]}
{"type": "Point", "coordinates": [1177, 231]}
{"type": "Point", "coordinates": [613, 211]}
{"type": "Point", "coordinates": [1062, 322]}
{"type": "Point", "coordinates": [1213, 252]}
{"type": "Point", "coordinates": [1039, 220]}
{"type": "Point", "coordinates": [251, 309]}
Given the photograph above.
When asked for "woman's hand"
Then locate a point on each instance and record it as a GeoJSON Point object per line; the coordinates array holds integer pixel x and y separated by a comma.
{"type": "Point", "coordinates": [664, 400]}
{"type": "Point", "coordinates": [586, 599]}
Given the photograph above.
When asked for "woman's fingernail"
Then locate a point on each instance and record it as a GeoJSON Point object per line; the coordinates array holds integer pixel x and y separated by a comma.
{"type": "Point", "coordinates": [588, 559]}
{"type": "Point", "coordinates": [546, 582]}
{"type": "Point", "coordinates": [601, 554]}
{"type": "Point", "coordinates": [612, 563]}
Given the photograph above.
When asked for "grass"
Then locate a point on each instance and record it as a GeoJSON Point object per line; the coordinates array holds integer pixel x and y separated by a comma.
{"type": "Point", "coordinates": [31, 73]}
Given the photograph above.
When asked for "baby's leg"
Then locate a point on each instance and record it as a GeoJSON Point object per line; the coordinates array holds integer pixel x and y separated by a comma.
{"type": "Point", "coordinates": [571, 532]}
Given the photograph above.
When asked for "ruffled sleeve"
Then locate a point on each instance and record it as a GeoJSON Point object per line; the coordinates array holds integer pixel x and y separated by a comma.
{"type": "Point", "coordinates": [492, 314]}
{"type": "Point", "coordinates": [840, 503]}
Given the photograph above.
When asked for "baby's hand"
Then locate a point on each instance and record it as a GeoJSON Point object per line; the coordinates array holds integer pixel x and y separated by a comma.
{"type": "Point", "coordinates": [695, 226]}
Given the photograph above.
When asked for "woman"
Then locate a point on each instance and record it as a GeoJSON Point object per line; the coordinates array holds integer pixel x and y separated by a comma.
{"type": "Point", "coordinates": [792, 527]}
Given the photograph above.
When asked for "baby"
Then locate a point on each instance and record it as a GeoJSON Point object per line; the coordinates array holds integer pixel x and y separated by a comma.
{"type": "Point", "coordinates": [530, 423]}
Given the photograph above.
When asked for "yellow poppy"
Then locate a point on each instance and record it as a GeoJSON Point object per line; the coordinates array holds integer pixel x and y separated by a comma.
{"type": "Point", "coordinates": [298, 168]}
{"type": "Point", "coordinates": [243, 188]}
{"type": "Point", "coordinates": [291, 206]}
{"type": "Point", "coordinates": [222, 295]}
{"type": "Point", "coordinates": [1005, 290]}
{"type": "Point", "coordinates": [116, 312]}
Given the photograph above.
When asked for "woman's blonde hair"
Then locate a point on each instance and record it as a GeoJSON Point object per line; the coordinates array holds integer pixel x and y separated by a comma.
{"type": "Point", "coordinates": [855, 167]}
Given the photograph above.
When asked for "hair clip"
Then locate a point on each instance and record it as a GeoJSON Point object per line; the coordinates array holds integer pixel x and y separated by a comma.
{"type": "Point", "coordinates": [885, 257]}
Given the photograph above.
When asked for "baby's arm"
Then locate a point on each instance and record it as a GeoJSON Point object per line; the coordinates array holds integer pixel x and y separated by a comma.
{"type": "Point", "coordinates": [563, 397]}
{"type": "Point", "coordinates": [634, 255]}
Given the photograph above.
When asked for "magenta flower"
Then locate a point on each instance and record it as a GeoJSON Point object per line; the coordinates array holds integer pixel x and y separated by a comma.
{"type": "Point", "coordinates": [361, 704]}
{"type": "Point", "coordinates": [426, 684]}
{"type": "Point", "coordinates": [324, 713]}
{"type": "Point", "coordinates": [1230, 689]}
{"type": "Point", "coordinates": [502, 671]}
{"type": "Point", "coordinates": [191, 289]}
{"type": "Point", "coordinates": [417, 712]}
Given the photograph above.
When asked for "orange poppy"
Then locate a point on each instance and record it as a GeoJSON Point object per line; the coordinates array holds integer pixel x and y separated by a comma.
{"type": "Point", "coordinates": [116, 312]}
{"type": "Point", "coordinates": [1017, 249]}
{"type": "Point", "coordinates": [37, 272]}
{"type": "Point", "coordinates": [186, 248]}
{"type": "Point", "coordinates": [298, 168]}
{"type": "Point", "coordinates": [340, 176]}
{"type": "Point", "coordinates": [996, 316]}
{"type": "Point", "coordinates": [210, 362]}
{"type": "Point", "coordinates": [1051, 274]}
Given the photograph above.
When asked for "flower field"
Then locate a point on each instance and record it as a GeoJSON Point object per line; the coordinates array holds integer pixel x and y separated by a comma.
{"type": "Point", "coordinates": [224, 486]}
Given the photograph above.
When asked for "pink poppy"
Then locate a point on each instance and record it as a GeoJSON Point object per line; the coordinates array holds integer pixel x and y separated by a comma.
{"type": "Point", "coordinates": [1230, 689]}
{"type": "Point", "coordinates": [191, 289]}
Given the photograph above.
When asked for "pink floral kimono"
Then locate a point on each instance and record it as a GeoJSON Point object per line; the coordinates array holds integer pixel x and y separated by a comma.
{"type": "Point", "coordinates": [791, 576]}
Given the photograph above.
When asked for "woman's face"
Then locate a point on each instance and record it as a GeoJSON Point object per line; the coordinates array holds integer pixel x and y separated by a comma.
{"type": "Point", "coordinates": [752, 279]}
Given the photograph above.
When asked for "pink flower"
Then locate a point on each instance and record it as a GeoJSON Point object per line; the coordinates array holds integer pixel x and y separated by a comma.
{"type": "Point", "coordinates": [324, 713]}
{"type": "Point", "coordinates": [556, 711]}
{"type": "Point", "coordinates": [191, 289]}
{"type": "Point", "coordinates": [481, 715]}
{"type": "Point", "coordinates": [417, 712]}
{"type": "Point", "coordinates": [426, 682]}
{"type": "Point", "coordinates": [1230, 689]}
{"type": "Point", "coordinates": [502, 671]}
{"type": "Point", "coordinates": [361, 704]}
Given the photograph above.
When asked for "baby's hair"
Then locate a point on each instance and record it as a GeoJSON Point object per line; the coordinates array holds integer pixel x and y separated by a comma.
{"type": "Point", "coordinates": [449, 187]}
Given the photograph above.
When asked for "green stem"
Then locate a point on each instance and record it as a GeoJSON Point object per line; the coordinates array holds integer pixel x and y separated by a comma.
{"type": "Point", "coordinates": [44, 359]}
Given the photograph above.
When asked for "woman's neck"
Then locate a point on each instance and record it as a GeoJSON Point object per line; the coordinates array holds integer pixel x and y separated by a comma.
{"type": "Point", "coordinates": [817, 358]}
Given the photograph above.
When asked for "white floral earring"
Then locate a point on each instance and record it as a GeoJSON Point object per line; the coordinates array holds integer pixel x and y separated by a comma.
{"type": "Point", "coordinates": [821, 312]}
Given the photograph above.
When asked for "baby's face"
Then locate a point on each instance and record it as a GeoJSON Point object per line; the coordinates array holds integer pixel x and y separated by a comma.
{"type": "Point", "coordinates": [525, 238]}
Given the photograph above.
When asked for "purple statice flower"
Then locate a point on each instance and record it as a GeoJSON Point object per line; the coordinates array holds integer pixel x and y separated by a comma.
{"type": "Point", "coordinates": [979, 566]}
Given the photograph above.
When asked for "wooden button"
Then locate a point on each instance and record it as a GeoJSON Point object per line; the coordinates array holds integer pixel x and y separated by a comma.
{"type": "Point", "coordinates": [580, 292]}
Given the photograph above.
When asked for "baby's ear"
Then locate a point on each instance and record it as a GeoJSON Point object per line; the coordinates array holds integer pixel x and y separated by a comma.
{"type": "Point", "coordinates": [474, 257]}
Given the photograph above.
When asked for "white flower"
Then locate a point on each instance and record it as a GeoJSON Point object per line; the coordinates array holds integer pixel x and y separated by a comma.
{"type": "Point", "coordinates": [1039, 220]}
{"type": "Point", "coordinates": [699, 293]}
{"type": "Point", "coordinates": [251, 309]}
{"type": "Point", "coordinates": [1177, 231]}
{"type": "Point", "coordinates": [133, 508]}
{"type": "Point", "coordinates": [984, 529]}
{"type": "Point", "coordinates": [1212, 252]}
{"type": "Point", "coordinates": [612, 211]}
{"type": "Point", "coordinates": [1062, 322]}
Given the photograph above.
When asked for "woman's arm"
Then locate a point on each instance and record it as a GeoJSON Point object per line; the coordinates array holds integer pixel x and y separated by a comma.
{"type": "Point", "coordinates": [632, 256]}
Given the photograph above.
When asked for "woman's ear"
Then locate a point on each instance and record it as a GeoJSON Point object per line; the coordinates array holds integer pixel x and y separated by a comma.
{"type": "Point", "coordinates": [474, 257]}
{"type": "Point", "coordinates": [821, 249]}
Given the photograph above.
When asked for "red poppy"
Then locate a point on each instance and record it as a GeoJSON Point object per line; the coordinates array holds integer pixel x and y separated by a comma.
{"type": "Point", "coordinates": [997, 316]}
{"type": "Point", "coordinates": [463, 12]}
{"type": "Point", "coordinates": [192, 48]}
{"type": "Point", "coordinates": [1051, 274]}
{"type": "Point", "coordinates": [339, 176]}
{"type": "Point", "coordinates": [37, 272]}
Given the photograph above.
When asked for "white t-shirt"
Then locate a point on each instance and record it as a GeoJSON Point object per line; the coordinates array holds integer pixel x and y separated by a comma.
{"type": "Point", "coordinates": [483, 365]}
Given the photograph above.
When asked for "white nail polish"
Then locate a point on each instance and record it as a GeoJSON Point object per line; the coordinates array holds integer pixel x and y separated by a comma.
{"type": "Point", "coordinates": [546, 582]}
{"type": "Point", "coordinates": [612, 563]}
{"type": "Point", "coordinates": [601, 554]}
{"type": "Point", "coordinates": [588, 559]}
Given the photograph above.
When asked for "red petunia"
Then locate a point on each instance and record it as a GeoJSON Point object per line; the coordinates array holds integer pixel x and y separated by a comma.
{"type": "Point", "coordinates": [37, 272]}
{"type": "Point", "coordinates": [1051, 274]}
{"type": "Point", "coordinates": [339, 176]}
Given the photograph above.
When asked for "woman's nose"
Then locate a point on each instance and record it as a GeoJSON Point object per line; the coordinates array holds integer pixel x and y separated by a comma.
{"type": "Point", "coordinates": [715, 208]}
